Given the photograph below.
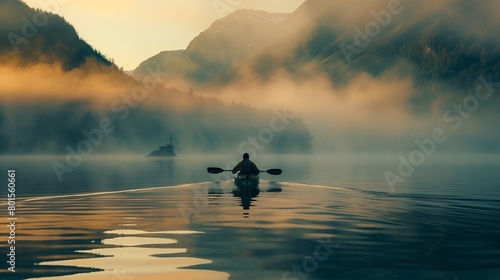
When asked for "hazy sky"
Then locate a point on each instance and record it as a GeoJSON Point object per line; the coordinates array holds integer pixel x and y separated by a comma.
{"type": "Point", "coordinates": [130, 31]}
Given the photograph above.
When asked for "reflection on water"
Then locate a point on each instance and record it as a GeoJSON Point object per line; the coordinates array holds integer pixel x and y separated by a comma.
{"type": "Point", "coordinates": [245, 192]}
{"type": "Point", "coordinates": [137, 257]}
{"type": "Point", "coordinates": [92, 237]}
{"type": "Point", "coordinates": [442, 223]}
{"type": "Point", "coordinates": [313, 231]}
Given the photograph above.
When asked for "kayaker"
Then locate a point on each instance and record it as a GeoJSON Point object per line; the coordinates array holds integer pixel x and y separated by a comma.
{"type": "Point", "coordinates": [246, 166]}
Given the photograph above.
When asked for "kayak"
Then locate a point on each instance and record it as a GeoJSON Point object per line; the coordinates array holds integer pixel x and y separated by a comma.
{"type": "Point", "coordinates": [247, 188]}
{"type": "Point", "coordinates": [243, 180]}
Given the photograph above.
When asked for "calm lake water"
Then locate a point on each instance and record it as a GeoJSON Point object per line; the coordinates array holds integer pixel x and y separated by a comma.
{"type": "Point", "coordinates": [325, 217]}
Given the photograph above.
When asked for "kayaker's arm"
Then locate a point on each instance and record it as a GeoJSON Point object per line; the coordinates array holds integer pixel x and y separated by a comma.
{"type": "Point", "coordinates": [236, 168]}
{"type": "Point", "coordinates": [255, 169]}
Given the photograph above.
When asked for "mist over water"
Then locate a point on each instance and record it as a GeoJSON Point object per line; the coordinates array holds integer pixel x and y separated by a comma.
{"type": "Point", "coordinates": [104, 173]}
{"type": "Point", "coordinates": [400, 84]}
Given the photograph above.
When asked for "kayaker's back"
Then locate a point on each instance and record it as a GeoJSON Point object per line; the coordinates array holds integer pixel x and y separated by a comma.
{"type": "Point", "coordinates": [246, 167]}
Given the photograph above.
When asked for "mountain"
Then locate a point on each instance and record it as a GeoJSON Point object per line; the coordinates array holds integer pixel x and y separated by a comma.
{"type": "Point", "coordinates": [451, 43]}
{"type": "Point", "coordinates": [212, 56]}
{"type": "Point", "coordinates": [34, 36]}
{"type": "Point", "coordinates": [60, 95]}
{"type": "Point", "coordinates": [169, 62]}
{"type": "Point", "coordinates": [454, 43]}
{"type": "Point", "coordinates": [367, 77]}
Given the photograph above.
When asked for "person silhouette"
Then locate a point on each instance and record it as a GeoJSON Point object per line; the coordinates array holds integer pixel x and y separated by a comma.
{"type": "Point", "coordinates": [246, 166]}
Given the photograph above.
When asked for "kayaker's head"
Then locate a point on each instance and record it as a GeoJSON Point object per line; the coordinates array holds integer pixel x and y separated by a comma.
{"type": "Point", "coordinates": [246, 156]}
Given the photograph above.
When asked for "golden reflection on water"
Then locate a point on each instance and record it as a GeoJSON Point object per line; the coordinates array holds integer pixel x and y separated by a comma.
{"type": "Point", "coordinates": [128, 261]}
{"type": "Point", "coordinates": [137, 241]}
{"type": "Point", "coordinates": [147, 248]}
{"type": "Point", "coordinates": [146, 235]}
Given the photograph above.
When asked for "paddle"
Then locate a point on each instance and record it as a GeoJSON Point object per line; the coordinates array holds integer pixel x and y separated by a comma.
{"type": "Point", "coordinates": [217, 170]}
{"type": "Point", "coordinates": [273, 171]}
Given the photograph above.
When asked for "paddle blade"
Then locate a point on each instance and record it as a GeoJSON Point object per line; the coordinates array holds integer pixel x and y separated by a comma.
{"type": "Point", "coordinates": [215, 170]}
{"type": "Point", "coordinates": [274, 171]}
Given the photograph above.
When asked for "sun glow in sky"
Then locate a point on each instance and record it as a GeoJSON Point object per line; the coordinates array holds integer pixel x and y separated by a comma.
{"type": "Point", "coordinates": [130, 31]}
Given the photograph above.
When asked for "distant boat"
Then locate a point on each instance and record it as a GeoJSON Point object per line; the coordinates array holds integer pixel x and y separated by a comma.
{"type": "Point", "coordinates": [164, 151]}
